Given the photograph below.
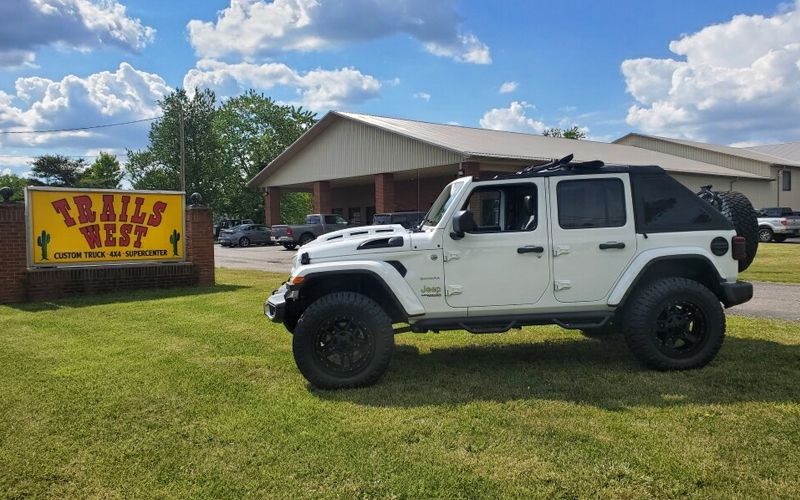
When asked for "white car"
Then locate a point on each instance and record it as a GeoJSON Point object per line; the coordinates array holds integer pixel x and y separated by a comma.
{"type": "Point", "coordinates": [580, 245]}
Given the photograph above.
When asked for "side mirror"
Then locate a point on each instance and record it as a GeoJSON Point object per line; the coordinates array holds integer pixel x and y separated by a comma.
{"type": "Point", "coordinates": [463, 222]}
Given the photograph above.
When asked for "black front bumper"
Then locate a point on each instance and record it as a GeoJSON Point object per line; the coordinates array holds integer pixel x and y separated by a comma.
{"type": "Point", "coordinates": [736, 293]}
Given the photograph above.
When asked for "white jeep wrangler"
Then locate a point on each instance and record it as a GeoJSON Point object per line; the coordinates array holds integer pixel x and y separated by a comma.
{"type": "Point", "coordinates": [581, 245]}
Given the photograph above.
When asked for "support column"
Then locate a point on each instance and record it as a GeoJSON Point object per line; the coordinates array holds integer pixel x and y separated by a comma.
{"type": "Point", "coordinates": [272, 206]}
{"type": "Point", "coordinates": [471, 169]}
{"type": "Point", "coordinates": [322, 197]}
{"type": "Point", "coordinates": [384, 193]}
{"type": "Point", "coordinates": [200, 243]}
{"type": "Point", "coordinates": [14, 261]}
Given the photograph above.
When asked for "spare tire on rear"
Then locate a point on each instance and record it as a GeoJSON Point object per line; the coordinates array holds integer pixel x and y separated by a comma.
{"type": "Point", "coordinates": [738, 209]}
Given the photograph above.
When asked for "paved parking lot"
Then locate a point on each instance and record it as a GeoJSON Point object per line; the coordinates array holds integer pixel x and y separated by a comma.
{"type": "Point", "coordinates": [269, 258]}
{"type": "Point", "coordinates": [771, 300]}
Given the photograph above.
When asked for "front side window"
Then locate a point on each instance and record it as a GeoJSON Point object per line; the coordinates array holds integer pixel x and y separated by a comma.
{"type": "Point", "coordinates": [330, 219]}
{"type": "Point", "coordinates": [503, 208]}
{"type": "Point", "coordinates": [591, 203]}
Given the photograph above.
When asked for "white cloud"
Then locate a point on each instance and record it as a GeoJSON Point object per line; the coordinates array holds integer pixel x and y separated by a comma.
{"type": "Point", "coordinates": [27, 25]}
{"type": "Point", "coordinates": [257, 29]}
{"type": "Point", "coordinates": [512, 119]}
{"type": "Point", "coordinates": [101, 98]}
{"type": "Point", "coordinates": [422, 95]}
{"type": "Point", "coordinates": [318, 89]}
{"type": "Point", "coordinates": [6, 171]}
{"type": "Point", "coordinates": [737, 82]}
{"type": "Point", "coordinates": [508, 87]}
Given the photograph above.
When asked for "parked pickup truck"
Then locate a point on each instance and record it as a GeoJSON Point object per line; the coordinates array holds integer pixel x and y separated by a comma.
{"type": "Point", "coordinates": [316, 225]}
{"type": "Point", "coordinates": [777, 224]}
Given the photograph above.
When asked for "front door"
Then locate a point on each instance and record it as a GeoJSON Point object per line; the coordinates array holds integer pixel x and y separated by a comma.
{"type": "Point", "coordinates": [593, 233]}
{"type": "Point", "coordinates": [505, 260]}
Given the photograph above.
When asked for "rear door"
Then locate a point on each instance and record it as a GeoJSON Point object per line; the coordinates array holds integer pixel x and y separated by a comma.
{"type": "Point", "coordinates": [593, 233]}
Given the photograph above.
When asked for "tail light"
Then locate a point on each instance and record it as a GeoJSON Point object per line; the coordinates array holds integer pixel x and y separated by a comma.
{"type": "Point", "coordinates": [288, 231]}
{"type": "Point", "coordinates": [784, 222]}
{"type": "Point", "coordinates": [739, 249]}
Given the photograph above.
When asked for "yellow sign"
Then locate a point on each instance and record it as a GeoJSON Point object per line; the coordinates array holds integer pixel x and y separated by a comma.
{"type": "Point", "coordinates": [92, 226]}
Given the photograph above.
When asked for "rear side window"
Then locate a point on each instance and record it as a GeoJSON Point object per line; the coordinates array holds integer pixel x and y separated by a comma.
{"type": "Point", "coordinates": [591, 203]}
{"type": "Point", "coordinates": [665, 205]}
{"type": "Point", "coordinates": [312, 219]}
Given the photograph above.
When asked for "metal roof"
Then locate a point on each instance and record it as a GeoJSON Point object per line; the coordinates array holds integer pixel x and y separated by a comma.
{"type": "Point", "coordinates": [787, 151]}
{"type": "Point", "coordinates": [749, 153]}
{"type": "Point", "coordinates": [476, 144]}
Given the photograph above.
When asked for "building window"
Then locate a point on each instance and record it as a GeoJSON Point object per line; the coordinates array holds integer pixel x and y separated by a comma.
{"type": "Point", "coordinates": [786, 181]}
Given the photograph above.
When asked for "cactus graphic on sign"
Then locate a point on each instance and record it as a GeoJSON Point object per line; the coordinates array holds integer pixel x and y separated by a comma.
{"type": "Point", "coordinates": [42, 241]}
{"type": "Point", "coordinates": [174, 238]}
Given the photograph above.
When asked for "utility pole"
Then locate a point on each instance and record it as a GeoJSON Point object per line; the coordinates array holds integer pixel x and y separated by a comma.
{"type": "Point", "coordinates": [183, 156]}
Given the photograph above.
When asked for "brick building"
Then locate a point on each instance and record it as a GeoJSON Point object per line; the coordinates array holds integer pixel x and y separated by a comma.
{"type": "Point", "coordinates": [358, 165]}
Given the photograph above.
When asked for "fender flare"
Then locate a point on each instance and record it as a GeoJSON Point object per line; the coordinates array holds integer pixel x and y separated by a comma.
{"type": "Point", "coordinates": [384, 273]}
{"type": "Point", "coordinates": [630, 278]}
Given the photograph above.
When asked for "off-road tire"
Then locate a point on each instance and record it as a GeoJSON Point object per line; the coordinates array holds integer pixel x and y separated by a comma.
{"type": "Point", "coordinates": [779, 238]}
{"type": "Point", "coordinates": [306, 238]}
{"type": "Point", "coordinates": [765, 235]}
{"type": "Point", "coordinates": [737, 208]}
{"type": "Point", "coordinates": [289, 246]}
{"type": "Point", "coordinates": [341, 329]}
{"type": "Point", "coordinates": [658, 315]}
{"type": "Point", "coordinates": [244, 242]}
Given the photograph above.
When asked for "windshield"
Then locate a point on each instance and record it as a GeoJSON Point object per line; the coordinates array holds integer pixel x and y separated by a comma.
{"type": "Point", "coordinates": [441, 204]}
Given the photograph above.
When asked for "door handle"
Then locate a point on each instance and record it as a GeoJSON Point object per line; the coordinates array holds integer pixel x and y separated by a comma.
{"type": "Point", "coordinates": [611, 244]}
{"type": "Point", "coordinates": [530, 249]}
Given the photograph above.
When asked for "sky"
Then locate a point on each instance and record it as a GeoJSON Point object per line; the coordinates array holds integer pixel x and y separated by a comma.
{"type": "Point", "coordinates": [720, 71]}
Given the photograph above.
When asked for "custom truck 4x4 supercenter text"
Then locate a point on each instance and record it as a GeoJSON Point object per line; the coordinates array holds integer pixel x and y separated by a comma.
{"type": "Point", "coordinates": [581, 245]}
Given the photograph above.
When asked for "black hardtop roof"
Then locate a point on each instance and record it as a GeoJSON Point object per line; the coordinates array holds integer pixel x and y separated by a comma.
{"type": "Point", "coordinates": [580, 168]}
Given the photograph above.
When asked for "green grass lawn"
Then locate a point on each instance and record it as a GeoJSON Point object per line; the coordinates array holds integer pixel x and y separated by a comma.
{"type": "Point", "coordinates": [776, 262]}
{"type": "Point", "coordinates": [193, 394]}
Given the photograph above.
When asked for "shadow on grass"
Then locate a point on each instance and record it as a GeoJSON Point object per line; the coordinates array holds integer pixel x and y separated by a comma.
{"type": "Point", "coordinates": [598, 373]}
{"type": "Point", "coordinates": [123, 297]}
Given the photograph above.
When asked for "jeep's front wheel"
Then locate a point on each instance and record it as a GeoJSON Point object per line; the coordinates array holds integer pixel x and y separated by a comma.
{"type": "Point", "coordinates": [343, 340]}
{"type": "Point", "coordinates": [674, 324]}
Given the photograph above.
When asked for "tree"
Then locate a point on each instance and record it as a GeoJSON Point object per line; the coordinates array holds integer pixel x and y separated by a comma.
{"type": "Point", "coordinates": [570, 133]}
{"type": "Point", "coordinates": [295, 207]}
{"type": "Point", "coordinates": [104, 173]}
{"type": "Point", "coordinates": [159, 166]}
{"type": "Point", "coordinates": [57, 170]}
{"type": "Point", "coordinates": [253, 130]}
{"type": "Point", "coordinates": [17, 183]}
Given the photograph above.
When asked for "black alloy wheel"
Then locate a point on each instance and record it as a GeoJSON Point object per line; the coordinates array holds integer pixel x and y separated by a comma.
{"type": "Point", "coordinates": [344, 345]}
{"type": "Point", "coordinates": [681, 329]}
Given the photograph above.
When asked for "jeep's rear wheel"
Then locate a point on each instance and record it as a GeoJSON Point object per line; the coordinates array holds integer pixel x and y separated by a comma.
{"type": "Point", "coordinates": [737, 208]}
{"type": "Point", "coordinates": [343, 340]}
{"type": "Point", "coordinates": [674, 324]}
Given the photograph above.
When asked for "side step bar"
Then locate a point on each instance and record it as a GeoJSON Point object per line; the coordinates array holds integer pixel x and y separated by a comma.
{"type": "Point", "coordinates": [500, 324]}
